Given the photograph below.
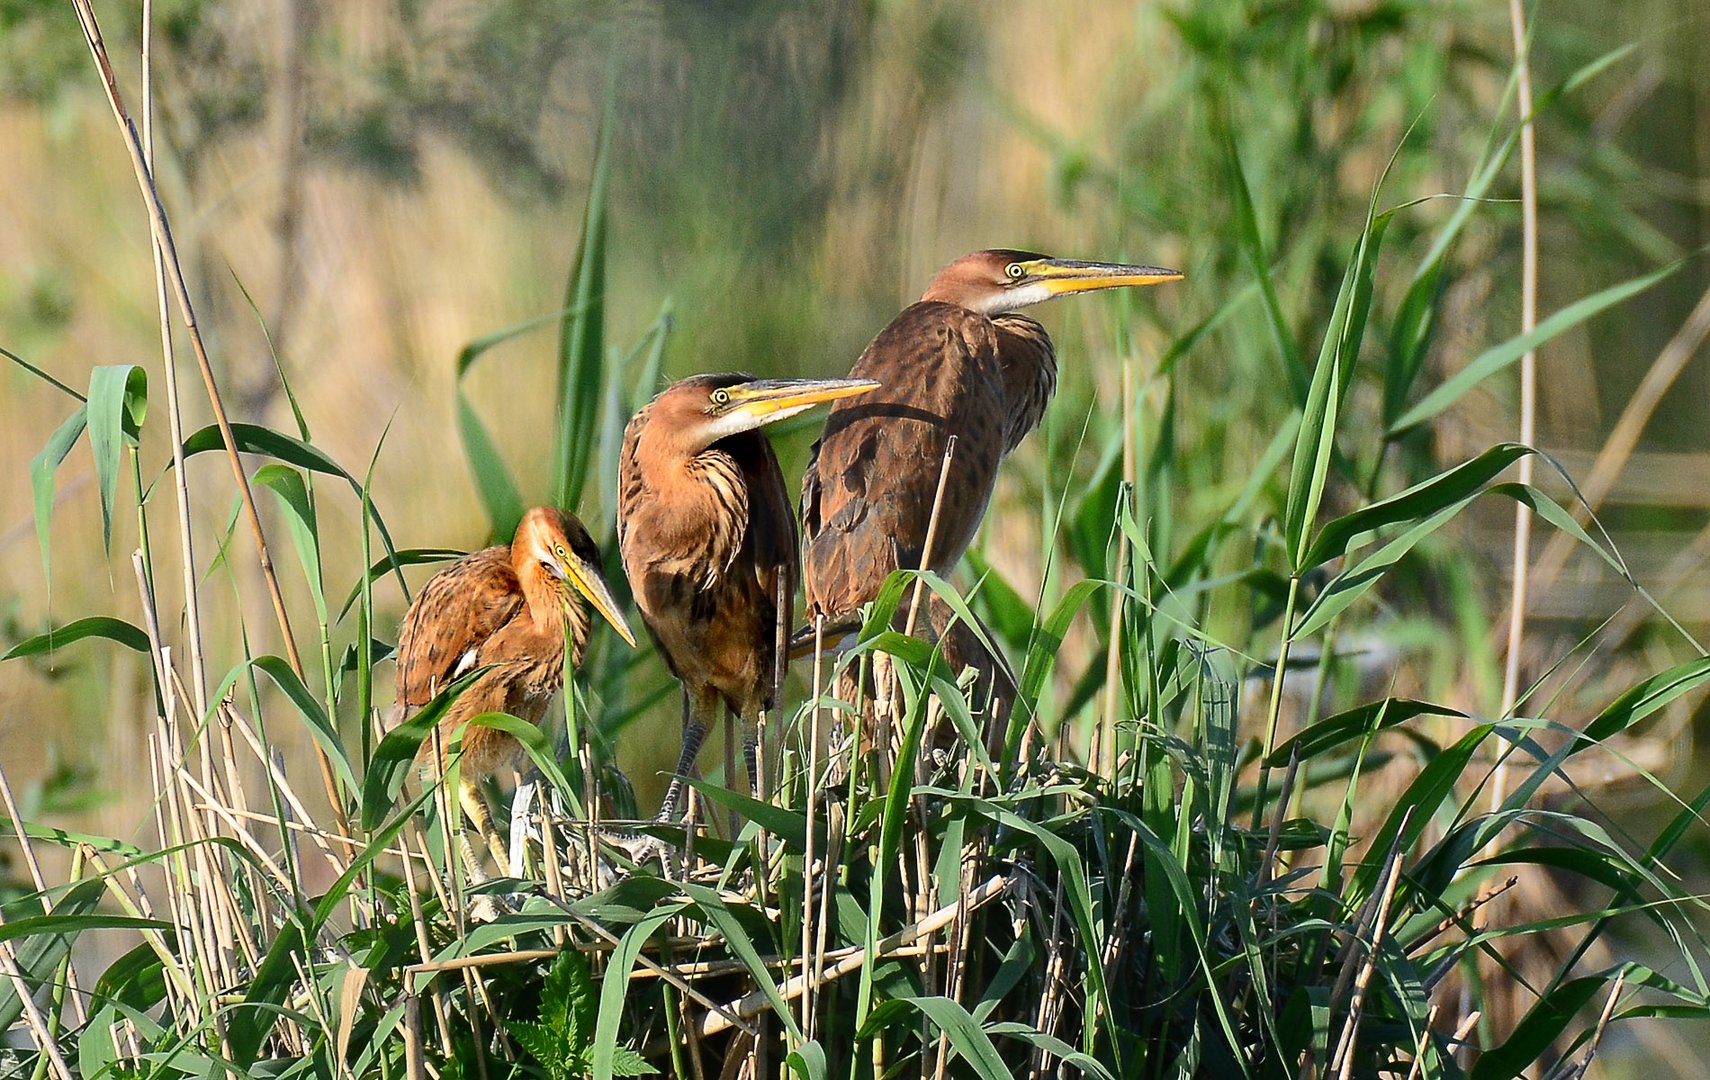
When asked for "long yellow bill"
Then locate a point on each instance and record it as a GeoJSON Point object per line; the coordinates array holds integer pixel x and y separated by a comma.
{"type": "Point", "coordinates": [768, 400]}
{"type": "Point", "coordinates": [587, 580]}
{"type": "Point", "coordinates": [1060, 277]}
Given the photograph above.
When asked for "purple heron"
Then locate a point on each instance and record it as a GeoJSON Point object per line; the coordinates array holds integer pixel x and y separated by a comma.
{"type": "Point", "coordinates": [709, 541]}
{"type": "Point", "coordinates": [961, 362]}
{"type": "Point", "coordinates": [507, 606]}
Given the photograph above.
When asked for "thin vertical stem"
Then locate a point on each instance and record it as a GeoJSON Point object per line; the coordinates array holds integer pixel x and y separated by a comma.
{"type": "Point", "coordinates": [1103, 750]}
{"type": "Point", "coordinates": [1528, 377]}
{"type": "Point", "coordinates": [174, 416]}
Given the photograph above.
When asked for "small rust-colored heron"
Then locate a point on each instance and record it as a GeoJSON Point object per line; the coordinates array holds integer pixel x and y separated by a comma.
{"type": "Point", "coordinates": [709, 541]}
{"type": "Point", "coordinates": [507, 606]}
{"type": "Point", "coordinates": [962, 362]}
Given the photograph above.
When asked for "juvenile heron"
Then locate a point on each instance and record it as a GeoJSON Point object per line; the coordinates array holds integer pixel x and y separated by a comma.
{"type": "Point", "coordinates": [507, 606]}
{"type": "Point", "coordinates": [961, 362]}
{"type": "Point", "coordinates": [709, 541]}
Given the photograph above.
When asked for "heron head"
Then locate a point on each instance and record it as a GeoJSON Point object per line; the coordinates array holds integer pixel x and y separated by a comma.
{"type": "Point", "coordinates": [567, 555]}
{"type": "Point", "coordinates": [1001, 279]}
{"type": "Point", "coordinates": [703, 409]}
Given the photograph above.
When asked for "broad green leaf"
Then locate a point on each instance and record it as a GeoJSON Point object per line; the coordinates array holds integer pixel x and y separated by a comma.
{"type": "Point", "coordinates": [1326, 735]}
{"type": "Point", "coordinates": [38, 958]}
{"type": "Point", "coordinates": [397, 752]}
{"type": "Point", "coordinates": [95, 626]}
{"type": "Point", "coordinates": [118, 401]}
{"type": "Point", "coordinates": [581, 343]}
{"type": "Point", "coordinates": [1447, 488]}
{"type": "Point", "coordinates": [288, 484]}
{"type": "Point", "coordinates": [1642, 700]}
{"type": "Point", "coordinates": [314, 716]}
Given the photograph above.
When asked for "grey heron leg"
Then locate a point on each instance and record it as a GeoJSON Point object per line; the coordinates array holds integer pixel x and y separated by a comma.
{"type": "Point", "coordinates": [697, 721]}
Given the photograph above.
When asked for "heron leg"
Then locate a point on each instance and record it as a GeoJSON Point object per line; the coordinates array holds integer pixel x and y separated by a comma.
{"type": "Point", "coordinates": [479, 814]}
{"type": "Point", "coordinates": [697, 721]}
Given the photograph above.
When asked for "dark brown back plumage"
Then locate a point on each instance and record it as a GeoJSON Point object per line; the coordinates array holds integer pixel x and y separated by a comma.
{"type": "Point", "coordinates": [868, 491]}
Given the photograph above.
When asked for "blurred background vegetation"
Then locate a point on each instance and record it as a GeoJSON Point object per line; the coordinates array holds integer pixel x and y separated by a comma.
{"type": "Point", "coordinates": [389, 183]}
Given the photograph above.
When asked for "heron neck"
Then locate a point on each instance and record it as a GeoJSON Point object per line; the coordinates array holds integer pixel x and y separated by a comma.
{"type": "Point", "coordinates": [550, 606]}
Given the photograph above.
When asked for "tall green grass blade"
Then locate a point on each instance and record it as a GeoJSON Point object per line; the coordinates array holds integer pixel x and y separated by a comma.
{"type": "Point", "coordinates": [967, 1039]}
{"type": "Point", "coordinates": [1315, 447]}
{"type": "Point", "coordinates": [42, 468]}
{"type": "Point", "coordinates": [397, 561]}
{"type": "Point", "coordinates": [581, 343]}
{"type": "Point", "coordinates": [614, 986]}
{"type": "Point", "coordinates": [1253, 247]}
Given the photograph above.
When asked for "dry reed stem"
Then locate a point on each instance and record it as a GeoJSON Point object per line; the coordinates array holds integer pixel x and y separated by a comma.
{"type": "Point", "coordinates": [1419, 1047]}
{"type": "Point", "coordinates": [185, 902]}
{"type": "Point", "coordinates": [855, 958]}
{"type": "Point", "coordinates": [1343, 1062]}
{"type": "Point", "coordinates": [45, 1041]}
{"type": "Point", "coordinates": [229, 915]}
{"type": "Point", "coordinates": [162, 233]}
{"type": "Point", "coordinates": [1050, 1001]}
{"type": "Point", "coordinates": [412, 1030]}
{"type": "Point", "coordinates": [552, 871]}
{"type": "Point", "coordinates": [240, 804]}
{"type": "Point", "coordinates": [811, 798]}
{"type": "Point", "coordinates": [424, 950]}
{"type": "Point", "coordinates": [1528, 378]}
{"type": "Point", "coordinates": [283, 785]}
{"type": "Point", "coordinates": [174, 415]}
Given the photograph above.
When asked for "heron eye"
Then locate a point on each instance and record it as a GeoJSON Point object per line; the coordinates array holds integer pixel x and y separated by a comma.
{"type": "Point", "coordinates": [1014, 271]}
{"type": "Point", "coordinates": [721, 396]}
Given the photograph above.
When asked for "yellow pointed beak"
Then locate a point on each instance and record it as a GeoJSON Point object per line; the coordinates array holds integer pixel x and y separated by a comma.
{"type": "Point", "coordinates": [586, 579]}
{"type": "Point", "coordinates": [1061, 277]}
{"type": "Point", "coordinates": [766, 400]}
